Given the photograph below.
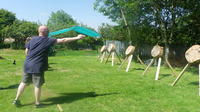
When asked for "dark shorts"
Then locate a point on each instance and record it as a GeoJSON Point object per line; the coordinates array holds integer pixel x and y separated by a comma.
{"type": "Point", "coordinates": [36, 79]}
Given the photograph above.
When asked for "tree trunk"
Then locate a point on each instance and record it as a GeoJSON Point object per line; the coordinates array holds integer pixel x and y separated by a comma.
{"type": "Point", "coordinates": [128, 29]}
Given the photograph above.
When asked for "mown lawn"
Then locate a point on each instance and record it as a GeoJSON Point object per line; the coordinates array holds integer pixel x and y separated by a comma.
{"type": "Point", "coordinates": [78, 82]}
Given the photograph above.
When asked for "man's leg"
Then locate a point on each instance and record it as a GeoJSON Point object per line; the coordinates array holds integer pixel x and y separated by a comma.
{"type": "Point", "coordinates": [38, 80]}
{"type": "Point", "coordinates": [37, 95]}
{"type": "Point", "coordinates": [20, 90]}
{"type": "Point", "coordinates": [25, 80]}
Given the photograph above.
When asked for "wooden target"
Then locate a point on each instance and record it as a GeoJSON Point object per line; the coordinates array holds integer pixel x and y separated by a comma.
{"type": "Point", "coordinates": [9, 40]}
{"type": "Point", "coordinates": [192, 55]}
{"type": "Point", "coordinates": [130, 50]}
{"type": "Point", "coordinates": [111, 48]}
{"type": "Point", "coordinates": [157, 51]}
{"type": "Point", "coordinates": [103, 49]}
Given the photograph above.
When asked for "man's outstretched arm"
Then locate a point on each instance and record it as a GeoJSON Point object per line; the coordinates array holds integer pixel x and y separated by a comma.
{"type": "Point", "coordinates": [26, 51]}
{"type": "Point", "coordinates": [66, 40]}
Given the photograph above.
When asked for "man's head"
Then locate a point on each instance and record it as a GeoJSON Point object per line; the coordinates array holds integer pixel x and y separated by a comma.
{"type": "Point", "coordinates": [43, 31]}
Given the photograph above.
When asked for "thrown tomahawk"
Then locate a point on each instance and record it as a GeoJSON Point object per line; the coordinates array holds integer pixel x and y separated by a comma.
{"type": "Point", "coordinates": [112, 51]}
{"type": "Point", "coordinates": [129, 55]}
{"type": "Point", "coordinates": [192, 55]}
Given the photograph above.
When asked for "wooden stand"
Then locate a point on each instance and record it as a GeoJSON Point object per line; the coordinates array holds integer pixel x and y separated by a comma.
{"type": "Point", "coordinates": [141, 62]}
{"type": "Point", "coordinates": [148, 66]}
{"type": "Point", "coordinates": [169, 65]}
{"type": "Point", "coordinates": [103, 53]}
{"type": "Point", "coordinates": [129, 55]}
{"type": "Point", "coordinates": [157, 53]}
{"type": "Point", "coordinates": [129, 58]}
{"type": "Point", "coordinates": [129, 62]}
{"type": "Point", "coordinates": [192, 55]}
{"type": "Point", "coordinates": [158, 67]}
{"type": "Point", "coordinates": [102, 57]}
{"type": "Point", "coordinates": [180, 75]}
{"type": "Point", "coordinates": [199, 79]}
{"type": "Point", "coordinates": [113, 53]}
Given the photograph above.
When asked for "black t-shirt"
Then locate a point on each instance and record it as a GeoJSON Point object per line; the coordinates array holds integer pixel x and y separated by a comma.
{"type": "Point", "coordinates": [37, 57]}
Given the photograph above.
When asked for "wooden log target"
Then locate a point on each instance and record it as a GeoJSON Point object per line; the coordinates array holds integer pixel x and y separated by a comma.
{"type": "Point", "coordinates": [130, 50]}
{"type": "Point", "coordinates": [103, 49]}
{"type": "Point", "coordinates": [157, 51]}
{"type": "Point", "coordinates": [192, 55]}
{"type": "Point", "coordinates": [111, 48]}
{"type": "Point", "coordinates": [9, 40]}
{"type": "Point", "coordinates": [112, 52]}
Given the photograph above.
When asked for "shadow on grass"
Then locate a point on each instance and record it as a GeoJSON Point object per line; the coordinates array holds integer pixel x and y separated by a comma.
{"type": "Point", "coordinates": [50, 69]}
{"type": "Point", "coordinates": [194, 70]}
{"type": "Point", "coordinates": [10, 87]}
{"type": "Point", "coordinates": [134, 69]}
{"type": "Point", "coordinates": [142, 69]}
{"type": "Point", "coordinates": [164, 75]}
{"type": "Point", "coordinates": [71, 97]}
{"type": "Point", "coordinates": [2, 57]}
{"type": "Point", "coordinates": [194, 83]}
{"type": "Point", "coordinates": [52, 63]}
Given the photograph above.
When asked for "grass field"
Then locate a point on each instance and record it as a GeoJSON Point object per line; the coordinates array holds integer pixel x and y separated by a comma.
{"type": "Point", "coordinates": [79, 83]}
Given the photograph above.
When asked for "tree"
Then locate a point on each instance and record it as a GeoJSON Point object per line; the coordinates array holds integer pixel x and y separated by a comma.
{"type": "Point", "coordinates": [20, 30]}
{"type": "Point", "coordinates": [164, 22]}
{"type": "Point", "coordinates": [60, 20]}
{"type": "Point", "coordinates": [110, 32]}
{"type": "Point", "coordinates": [6, 19]}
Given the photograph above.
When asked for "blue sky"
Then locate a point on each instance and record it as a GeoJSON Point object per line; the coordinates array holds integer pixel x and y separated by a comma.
{"type": "Point", "coordinates": [39, 10]}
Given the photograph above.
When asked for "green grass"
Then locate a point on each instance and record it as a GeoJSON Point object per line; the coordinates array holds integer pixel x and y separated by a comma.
{"type": "Point", "coordinates": [80, 83]}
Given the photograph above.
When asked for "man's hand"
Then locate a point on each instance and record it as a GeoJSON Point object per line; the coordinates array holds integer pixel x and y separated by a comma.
{"type": "Point", "coordinates": [65, 40]}
{"type": "Point", "coordinates": [80, 36]}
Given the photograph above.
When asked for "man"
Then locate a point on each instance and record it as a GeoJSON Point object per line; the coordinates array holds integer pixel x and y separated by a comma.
{"type": "Point", "coordinates": [37, 62]}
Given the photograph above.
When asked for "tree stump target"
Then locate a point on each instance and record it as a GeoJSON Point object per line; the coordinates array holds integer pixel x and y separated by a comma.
{"type": "Point", "coordinates": [157, 54]}
{"type": "Point", "coordinates": [9, 40]}
{"type": "Point", "coordinates": [157, 51]}
{"type": "Point", "coordinates": [192, 55]}
{"type": "Point", "coordinates": [112, 51]}
{"type": "Point", "coordinates": [111, 48]}
{"type": "Point", "coordinates": [129, 55]}
{"type": "Point", "coordinates": [130, 50]}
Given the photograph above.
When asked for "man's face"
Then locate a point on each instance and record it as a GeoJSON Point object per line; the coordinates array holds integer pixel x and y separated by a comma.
{"type": "Point", "coordinates": [43, 31]}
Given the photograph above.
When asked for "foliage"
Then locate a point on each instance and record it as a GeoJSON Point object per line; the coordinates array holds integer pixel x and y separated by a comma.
{"type": "Point", "coordinates": [155, 21]}
{"type": "Point", "coordinates": [6, 19]}
{"type": "Point", "coordinates": [109, 32]}
{"type": "Point", "coordinates": [20, 30]}
{"type": "Point", "coordinates": [61, 20]}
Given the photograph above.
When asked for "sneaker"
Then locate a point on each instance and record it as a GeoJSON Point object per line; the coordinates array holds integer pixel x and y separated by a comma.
{"type": "Point", "coordinates": [39, 106]}
{"type": "Point", "coordinates": [17, 103]}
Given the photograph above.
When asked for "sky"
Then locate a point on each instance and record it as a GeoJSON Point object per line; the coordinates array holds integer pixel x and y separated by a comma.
{"type": "Point", "coordinates": [39, 10]}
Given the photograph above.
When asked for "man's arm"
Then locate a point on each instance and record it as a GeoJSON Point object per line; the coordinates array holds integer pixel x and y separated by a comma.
{"type": "Point", "coordinates": [65, 40]}
{"type": "Point", "coordinates": [26, 51]}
